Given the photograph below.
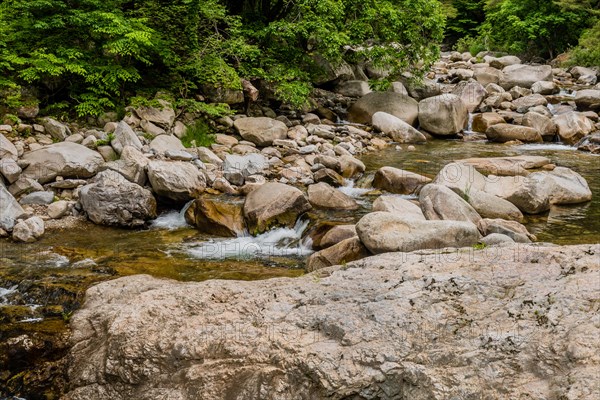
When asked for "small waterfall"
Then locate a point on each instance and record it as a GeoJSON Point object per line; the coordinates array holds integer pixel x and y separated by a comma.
{"type": "Point", "coordinates": [5, 293]}
{"type": "Point", "coordinates": [470, 124]}
{"type": "Point", "coordinates": [172, 220]}
{"type": "Point", "coordinates": [350, 189]}
{"type": "Point", "coordinates": [276, 242]}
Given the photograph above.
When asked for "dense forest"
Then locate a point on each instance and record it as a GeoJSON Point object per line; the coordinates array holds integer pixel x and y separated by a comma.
{"type": "Point", "coordinates": [87, 56]}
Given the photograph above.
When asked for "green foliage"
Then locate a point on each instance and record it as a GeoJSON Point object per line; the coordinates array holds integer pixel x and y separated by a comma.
{"type": "Point", "coordinates": [473, 45]}
{"type": "Point", "coordinates": [463, 19]}
{"type": "Point", "coordinates": [209, 110]}
{"type": "Point", "coordinates": [198, 135]}
{"type": "Point", "coordinates": [106, 141]}
{"type": "Point", "coordinates": [534, 27]}
{"type": "Point", "coordinates": [479, 246]}
{"type": "Point", "coordinates": [588, 51]}
{"type": "Point", "coordinates": [380, 85]}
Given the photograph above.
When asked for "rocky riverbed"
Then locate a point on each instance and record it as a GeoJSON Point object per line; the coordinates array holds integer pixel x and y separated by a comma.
{"type": "Point", "coordinates": [485, 153]}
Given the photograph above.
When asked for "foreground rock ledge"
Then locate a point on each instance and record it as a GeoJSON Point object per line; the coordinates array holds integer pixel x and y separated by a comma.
{"type": "Point", "coordinates": [520, 321]}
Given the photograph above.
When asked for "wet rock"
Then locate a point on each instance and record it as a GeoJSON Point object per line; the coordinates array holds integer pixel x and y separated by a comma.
{"type": "Point", "coordinates": [337, 234]}
{"type": "Point", "coordinates": [507, 132]}
{"type": "Point", "coordinates": [343, 252]}
{"type": "Point", "coordinates": [396, 104]}
{"type": "Point", "coordinates": [321, 195]}
{"type": "Point", "coordinates": [481, 122]}
{"type": "Point", "coordinates": [524, 75]}
{"type": "Point", "coordinates": [443, 115]}
{"type": "Point", "coordinates": [397, 129]}
{"type": "Point", "coordinates": [350, 167]}
{"type": "Point", "coordinates": [392, 310]}
{"type": "Point", "coordinates": [513, 229]}
{"type": "Point", "coordinates": [10, 209]}
{"type": "Point", "coordinates": [573, 126]}
{"type": "Point", "coordinates": [28, 230]}
{"type": "Point", "coordinates": [55, 129]}
{"type": "Point", "coordinates": [112, 200]}
{"type": "Point", "coordinates": [383, 232]}
{"type": "Point", "coordinates": [399, 207]}
{"type": "Point", "coordinates": [261, 131]}
{"type": "Point", "coordinates": [69, 160]}
{"type": "Point", "coordinates": [471, 93]}
{"type": "Point", "coordinates": [7, 149]}
{"type": "Point", "coordinates": [125, 136]}
{"type": "Point", "coordinates": [506, 166]}
{"type": "Point", "coordinates": [547, 128]}
{"type": "Point", "coordinates": [176, 180]}
{"type": "Point", "coordinates": [398, 181]}
{"type": "Point", "coordinates": [274, 204]}
{"type": "Point", "coordinates": [439, 202]}
{"type": "Point", "coordinates": [216, 217]}
{"type": "Point", "coordinates": [328, 176]}
{"type": "Point", "coordinates": [590, 143]}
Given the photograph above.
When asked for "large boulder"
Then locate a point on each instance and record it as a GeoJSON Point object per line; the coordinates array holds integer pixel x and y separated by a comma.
{"type": "Point", "coordinates": [439, 202]}
{"type": "Point", "coordinates": [398, 206]}
{"type": "Point", "coordinates": [501, 62]}
{"type": "Point", "coordinates": [588, 99]}
{"type": "Point", "coordinates": [471, 93]}
{"type": "Point", "coordinates": [7, 149]}
{"type": "Point", "coordinates": [489, 206]}
{"type": "Point", "coordinates": [486, 75]}
{"type": "Point", "coordinates": [261, 131]}
{"type": "Point", "coordinates": [335, 235]}
{"type": "Point", "coordinates": [460, 177]}
{"type": "Point", "coordinates": [398, 181]}
{"type": "Point", "coordinates": [513, 229]}
{"type": "Point", "coordinates": [506, 166]}
{"type": "Point", "coordinates": [383, 232]}
{"type": "Point", "coordinates": [274, 204]}
{"type": "Point", "coordinates": [572, 126]}
{"type": "Point", "coordinates": [396, 104]}
{"type": "Point", "coordinates": [347, 250]}
{"type": "Point", "coordinates": [66, 159]}
{"type": "Point", "coordinates": [543, 124]}
{"type": "Point", "coordinates": [507, 132]}
{"type": "Point", "coordinates": [523, 104]}
{"type": "Point", "coordinates": [125, 136]}
{"type": "Point", "coordinates": [536, 192]}
{"type": "Point", "coordinates": [176, 180]}
{"type": "Point", "coordinates": [112, 200]}
{"type": "Point", "coordinates": [397, 129]}
{"type": "Point", "coordinates": [353, 88]}
{"type": "Point", "coordinates": [216, 217]}
{"type": "Point", "coordinates": [10, 209]}
{"type": "Point", "coordinates": [524, 75]}
{"type": "Point", "coordinates": [394, 326]}
{"type": "Point", "coordinates": [443, 115]}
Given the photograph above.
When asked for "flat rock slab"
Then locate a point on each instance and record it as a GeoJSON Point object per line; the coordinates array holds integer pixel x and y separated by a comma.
{"type": "Point", "coordinates": [506, 166]}
{"type": "Point", "coordinates": [396, 326]}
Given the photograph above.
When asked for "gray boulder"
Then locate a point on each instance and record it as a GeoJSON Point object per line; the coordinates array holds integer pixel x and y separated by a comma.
{"type": "Point", "coordinates": [237, 168]}
{"type": "Point", "coordinates": [524, 75]}
{"type": "Point", "coordinates": [28, 230]}
{"type": "Point", "coordinates": [125, 136]}
{"type": "Point", "coordinates": [441, 203]}
{"type": "Point", "coordinates": [397, 129]}
{"type": "Point", "coordinates": [347, 250]}
{"type": "Point", "coordinates": [55, 129]}
{"type": "Point", "coordinates": [10, 209]}
{"type": "Point", "coordinates": [112, 200]}
{"type": "Point", "coordinates": [588, 99]}
{"type": "Point", "coordinates": [396, 104]}
{"type": "Point", "coordinates": [261, 131]}
{"type": "Point", "coordinates": [471, 93]}
{"type": "Point", "coordinates": [383, 232]}
{"type": "Point", "coordinates": [162, 116]}
{"type": "Point", "coordinates": [322, 195]}
{"type": "Point", "coordinates": [398, 206]}
{"type": "Point", "coordinates": [443, 115]}
{"type": "Point", "coordinates": [398, 181]}
{"type": "Point", "coordinates": [573, 126]}
{"type": "Point", "coordinates": [165, 143]}
{"type": "Point", "coordinates": [7, 149]}
{"type": "Point", "coordinates": [176, 180]}
{"type": "Point", "coordinates": [66, 159]}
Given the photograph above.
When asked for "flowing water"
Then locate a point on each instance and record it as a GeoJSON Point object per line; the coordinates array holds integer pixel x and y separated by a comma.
{"type": "Point", "coordinates": [42, 283]}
